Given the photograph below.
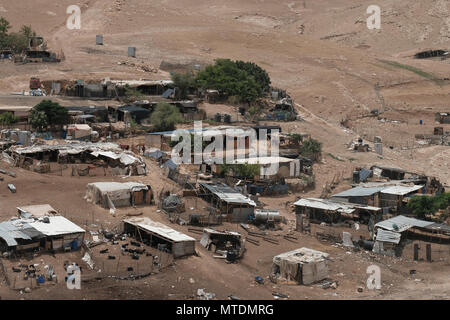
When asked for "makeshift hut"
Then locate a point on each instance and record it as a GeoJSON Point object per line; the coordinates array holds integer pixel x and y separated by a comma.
{"type": "Point", "coordinates": [301, 266]}
{"type": "Point", "coordinates": [114, 194]}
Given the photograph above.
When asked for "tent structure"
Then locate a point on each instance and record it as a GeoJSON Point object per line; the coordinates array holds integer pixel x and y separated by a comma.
{"type": "Point", "coordinates": [115, 194]}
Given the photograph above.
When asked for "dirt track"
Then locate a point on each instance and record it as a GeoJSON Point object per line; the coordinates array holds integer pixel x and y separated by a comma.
{"type": "Point", "coordinates": [330, 76]}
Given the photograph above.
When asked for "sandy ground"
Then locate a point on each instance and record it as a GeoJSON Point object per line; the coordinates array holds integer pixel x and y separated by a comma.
{"type": "Point", "coordinates": [321, 52]}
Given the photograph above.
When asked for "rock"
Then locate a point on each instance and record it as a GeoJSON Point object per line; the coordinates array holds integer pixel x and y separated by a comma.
{"type": "Point", "coordinates": [27, 290]}
{"type": "Point", "coordinates": [360, 289]}
{"type": "Point", "coordinates": [191, 280]}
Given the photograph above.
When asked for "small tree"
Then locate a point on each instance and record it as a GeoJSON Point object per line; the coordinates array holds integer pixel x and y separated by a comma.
{"type": "Point", "coordinates": [8, 118]}
{"type": "Point", "coordinates": [56, 115]}
{"type": "Point", "coordinates": [38, 120]}
{"type": "Point", "coordinates": [4, 26]}
{"type": "Point", "coordinates": [254, 112]}
{"type": "Point", "coordinates": [165, 117]}
{"type": "Point", "coordinates": [132, 95]}
{"type": "Point", "coordinates": [311, 149]}
{"type": "Point", "coordinates": [27, 31]}
{"type": "Point", "coordinates": [184, 83]}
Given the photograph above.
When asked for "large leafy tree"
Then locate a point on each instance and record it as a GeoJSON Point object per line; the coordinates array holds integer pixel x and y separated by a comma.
{"type": "Point", "coordinates": [260, 75]}
{"type": "Point", "coordinates": [56, 115]}
{"type": "Point", "coordinates": [165, 117]}
{"type": "Point", "coordinates": [229, 79]}
{"type": "Point", "coordinates": [38, 120]}
{"type": "Point", "coordinates": [423, 205]}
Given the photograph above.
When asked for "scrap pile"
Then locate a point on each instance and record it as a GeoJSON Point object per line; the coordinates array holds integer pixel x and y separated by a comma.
{"type": "Point", "coordinates": [110, 153]}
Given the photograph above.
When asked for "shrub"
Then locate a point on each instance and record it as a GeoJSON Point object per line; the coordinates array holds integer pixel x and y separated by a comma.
{"type": "Point", "coordinates": [165, 117]}
{"type": "Point", "coordinates": [8, 118]}
{"type": "Point", "coordinates": [311, 149]}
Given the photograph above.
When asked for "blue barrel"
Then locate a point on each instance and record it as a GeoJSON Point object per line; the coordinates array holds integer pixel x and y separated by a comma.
{"type": "Point", "coordinates": [41, 279]}
{"type": "Point", "coordinates": [421, 121]}
{"type": "Point", "coordinates": [74, 245]}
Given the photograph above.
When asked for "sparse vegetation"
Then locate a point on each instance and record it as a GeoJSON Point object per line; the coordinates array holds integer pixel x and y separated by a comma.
{"type": "Point", "coordinates": [17, 42]}
{"type": "Point", "coordinates": [242, 170]}
{"type": "Point", "coordinates": [132, 95]}
{"type": "Point", "coordinates": [311, 149]}
{"type": "Point", "coordinates": [335, 157]}
{"type": "Point", "coordinates": [412, 69]}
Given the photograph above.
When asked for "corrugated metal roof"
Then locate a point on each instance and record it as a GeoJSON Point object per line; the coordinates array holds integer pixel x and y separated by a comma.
{"type": "Point", "coordinates": [388, 236]}
{"type": "Point", "coordinates": [159, 229]}
{"type": "Point", "coordinates": [329, 204]}
{"type": "Point", "coordinates": [440, 227]}
{"type": "Point", "coordinates": [58, 225]}
{"type": "Point", "coordinates": [403, 223]}
{"type": "Point", "coordinates": [227, 194]}
{"type": "Point", "coordinates": [401, 190]}
{"type": "Point", "coordinates": [263, 160]}
{"type": "Point", "coordinates": [324, 204]}
{"type": "Point", "coordinates": [359, 192]}
{"type": "Point", "coordinates": [28, 229]}
{"type": "Point", "coordinates": [117, 186]}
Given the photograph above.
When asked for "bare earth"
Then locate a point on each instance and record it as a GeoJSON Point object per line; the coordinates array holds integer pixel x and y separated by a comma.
{"type": "Point", "coordinates": [322, 53]}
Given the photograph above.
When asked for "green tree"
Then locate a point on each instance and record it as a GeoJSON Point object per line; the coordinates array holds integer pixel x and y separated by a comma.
{"type": "Point", "coordinates": [227, 78]}
{"type": "Point", "coordinates": [17, 42]}
{"type": "Point", "coordinates": [260, 75]}
{"type": "Point", "coordinates": [165, 117]}
{"type": "Point", "coordinates": [38, 120]}
{"type": "Point", "coordinates": [422, 205]}
{"type": "Point", "coordinates": [8, 118]}
{"type": "Point", "coordinates": [4, 26]}
{"type": "Point", "coordinates": [184, 83]}
{"type": "Point", "coordinates": [311, 149]}
{"type": "Point", "coordinates": [56, 115]}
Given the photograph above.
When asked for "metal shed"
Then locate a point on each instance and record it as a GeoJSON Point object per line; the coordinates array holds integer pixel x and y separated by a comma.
{"type": "Point", "coordinates": [160, 235]}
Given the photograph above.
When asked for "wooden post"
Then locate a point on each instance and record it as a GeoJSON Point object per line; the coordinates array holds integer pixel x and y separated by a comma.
{"type": "Point", "coordinates": [416, 252]}
{"type": "Point", "coordinates": [428, 252]}
{"type": "Point", "coordinates": [299, 223]}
